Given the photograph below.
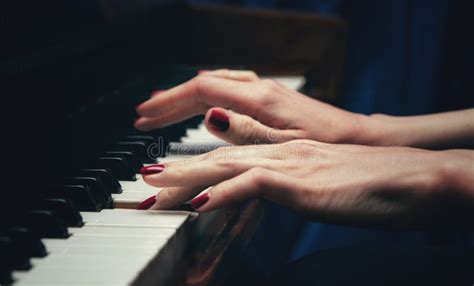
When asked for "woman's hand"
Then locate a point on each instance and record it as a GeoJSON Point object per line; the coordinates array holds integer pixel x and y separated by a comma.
{"type": "Point", "coordinates": [348, 184]}
{"type": "Point", "coordinates": [242, 109]}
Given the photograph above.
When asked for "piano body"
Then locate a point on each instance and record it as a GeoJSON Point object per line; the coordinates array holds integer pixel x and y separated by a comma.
{"type": "Point", "coordinates": [71, 76]}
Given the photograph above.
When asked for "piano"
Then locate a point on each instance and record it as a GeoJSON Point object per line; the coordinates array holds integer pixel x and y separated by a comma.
{"type": "Point", "coordinates": [72, 75]}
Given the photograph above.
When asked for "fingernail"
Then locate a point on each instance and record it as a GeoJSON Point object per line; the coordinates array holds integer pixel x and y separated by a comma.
{"type": "Point", "coordinates": [146, 204]}
{"type": "Point", "coordinates": [199, 201]}
{"type": "Point", "coordinates": [150, 170]}
{"type": "Point", "coordinates": [156, 92]}
{"type": "Point", "coordinates": [219, 120]}
{"type": "Point", "coordinates": [203, 71]}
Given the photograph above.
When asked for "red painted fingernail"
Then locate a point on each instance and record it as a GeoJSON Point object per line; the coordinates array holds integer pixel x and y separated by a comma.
{"type": "Point", "coordinates": [154, 169]}
{"type": "Point", "coordinates": [219, 120]}
{"type": "Point", "coordinates": [203, 71]}
{"type": "Point", "coordinates": [199, 201]}
{"type": "Point", "coordinates": [156, 92]}
{"type": "Point", "coordinates": [146, 204]}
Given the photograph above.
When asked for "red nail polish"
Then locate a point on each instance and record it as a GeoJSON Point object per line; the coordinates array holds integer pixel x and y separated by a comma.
{"type": "Point", "coordinates": [156, 92]}
{"type": "Point", "coordinates": [199, 201]}
{"type": "Point", "coordinates": [219, 120]}
{"type": "Point", "coordinates": [154, 169]}
{"type": "Point", "coordinates": [203, 71]}
{"type": "Point", "coordinates": [146, 204]}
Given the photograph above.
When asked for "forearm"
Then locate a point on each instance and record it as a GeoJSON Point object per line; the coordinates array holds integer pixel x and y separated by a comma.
{"type": "Point", "coordinates": [436, 131]}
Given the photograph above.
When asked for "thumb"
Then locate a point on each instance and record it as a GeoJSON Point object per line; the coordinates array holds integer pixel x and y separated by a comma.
{"type": "Point", "coordinates": [241, 129]}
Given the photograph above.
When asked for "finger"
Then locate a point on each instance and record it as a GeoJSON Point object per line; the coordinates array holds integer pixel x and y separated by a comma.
{"type": "Point", "coordinates": [151, 123]}
{"type": "Point", "coordinates": [169, 198]}
{"type": "Point", "coordinates": [255, 183]}
{"type": "Point", "coordinates": [197, 95]}
{"type": "Point", "coordinates": [213, 168]}
{"type": "Point", "coordinates": [239, 75]}
{"type": "Point", "coordinates": [241, 129]}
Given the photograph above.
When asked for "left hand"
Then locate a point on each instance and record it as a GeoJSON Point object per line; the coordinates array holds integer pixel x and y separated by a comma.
{"type": "Point", "coordinates": [347, 184]}
{"type": "Point", "coordinates": [242, 109]}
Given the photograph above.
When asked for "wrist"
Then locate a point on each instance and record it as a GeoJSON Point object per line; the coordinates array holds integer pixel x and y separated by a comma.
{"type": "Point", "coordinates": [385, 130]}
{"type": "Point", "coordinates": [370, 130]}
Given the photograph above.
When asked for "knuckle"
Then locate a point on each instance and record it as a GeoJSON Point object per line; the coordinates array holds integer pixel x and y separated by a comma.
{"type": "Point", "coordinates": [226, 195]}
{"type": "Point", "coordinates": [201, 83]}
{"type": "Point", "coordinates": [248, 132]}
{"type": "Point", "coordinates": [224, 162]}
{"type": "Point", "coordinates": [268, 88]}
{"type": "Point", "coordinates": [258, 176]}
{"type": "Point", "coordinates": [253, 74]}
{"type": "Point", "coordinates": [164, 197]}
{"type": "Point", "coordinates": [224, 72]}
{"type": "Point", "coordinates": [165, 194]}
{"type": "Point", "coordinates": [250, 74]}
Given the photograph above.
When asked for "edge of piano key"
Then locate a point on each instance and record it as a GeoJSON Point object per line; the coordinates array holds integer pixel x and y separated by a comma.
{"type": "Point", "coordinates": [168, 266]}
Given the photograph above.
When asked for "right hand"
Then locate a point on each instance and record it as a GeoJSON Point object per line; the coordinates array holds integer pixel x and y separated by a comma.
{"type": "Point", "coordinates": [242, 109]}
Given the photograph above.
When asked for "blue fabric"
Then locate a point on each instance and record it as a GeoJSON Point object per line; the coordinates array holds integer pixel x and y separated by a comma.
{"type": "Point", "coordinates": [404, 57]}
{"type": "Point", "coordinates": [394, 54]}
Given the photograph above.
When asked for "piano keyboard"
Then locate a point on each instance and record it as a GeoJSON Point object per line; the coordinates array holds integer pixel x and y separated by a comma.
{"type": "Point", "coordinates": [110, 249]}
{"type": "Point", "coordinates": [117, 246]}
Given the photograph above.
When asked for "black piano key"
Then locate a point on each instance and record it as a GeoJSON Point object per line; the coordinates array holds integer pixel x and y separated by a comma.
{"type": "Point", "coordinates": [141, 138]}
{"type": "Point", "coordinates": [29, 240]}
{"type": "Point", "coordinates": [130, 157]}
{"type": "Point", "coordinates": [46, 224]}
{"type": "Point", "coordinates": [64, 209]}
{"type": "Point", "coordinates": [107, 178]}
{"type": "Point", "coordinates": [156, 147]}
{"type": "Point", "coordinates": [152, 146]}
{"type": "Point", "coordinates": [80, 195]}
{"type": "Point", "coordinates": [138, 148]}
{"type": "Point", "coordinates": [174, 132]}
{"type": "Point", "coordinates": [118, 165]}
{"type": "Point", "coordinates": [21, 258]}
{"type": "Point", "coordinates": [100, 193]}
{"type": "Point", "coordinates": [6, 257]}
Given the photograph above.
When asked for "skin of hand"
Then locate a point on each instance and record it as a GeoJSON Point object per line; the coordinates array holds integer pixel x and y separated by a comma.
{"type": "Point", "coordinates": [263, 111]}
{"type": "Point", "coordinates": [390, 187]}
{"type": "Point", "coordinates": [257, 111]}
{"type": "Point", "coordinates": [385, 187]}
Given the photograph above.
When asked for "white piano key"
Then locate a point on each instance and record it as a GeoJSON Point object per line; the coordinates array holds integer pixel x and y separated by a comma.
{"type": "Point", "coordinates": [203, 140]}
{"type": "Point", "coordinates": [174, 157]}
{"type": "Point", "coordinates": [131, 199]}
{"type": "Point", "coordinates": [89, 274]}
{"type": "Point", "coordinates": [121, 231]}
{"type": "Point", "coordinates": [104, 241]}
{"type": "Point", "coordinates": [137, 186]}
{"type": "Point", "coordinates": [293, 82]}
{"type": "Point", "coordinates": [133, 218]}
{"type": "Point", "coordinates": [95, 252]}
